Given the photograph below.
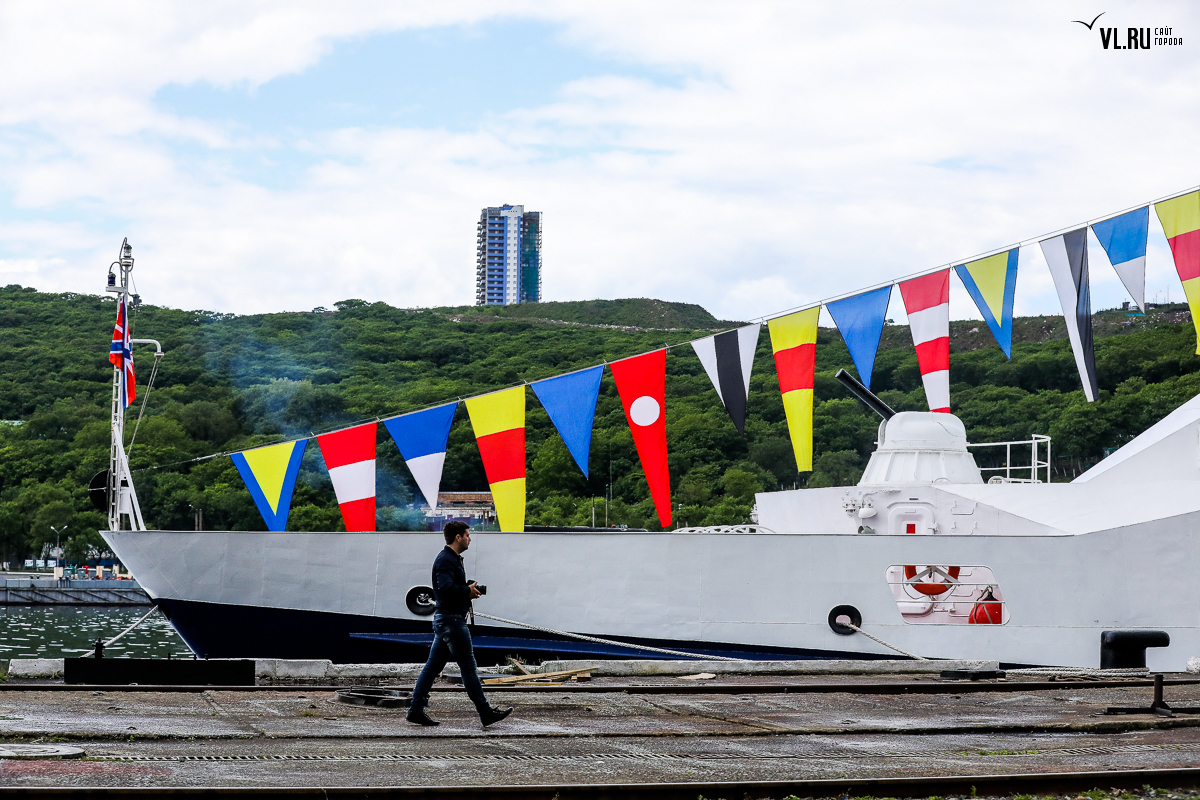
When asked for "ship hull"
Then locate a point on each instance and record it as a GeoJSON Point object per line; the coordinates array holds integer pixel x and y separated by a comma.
{"type": "Point", "coordinates": [214, 630]}
{"type": "Point", "coordinates": [341, 596]}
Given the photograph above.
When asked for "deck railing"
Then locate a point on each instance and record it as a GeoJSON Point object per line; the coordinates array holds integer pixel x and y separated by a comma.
{"type": "Point", "coordinates": [1034, 468]}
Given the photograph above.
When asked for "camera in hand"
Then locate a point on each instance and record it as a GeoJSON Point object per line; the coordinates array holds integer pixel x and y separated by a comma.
{"type": "Point", "coordinates": [482, 589]}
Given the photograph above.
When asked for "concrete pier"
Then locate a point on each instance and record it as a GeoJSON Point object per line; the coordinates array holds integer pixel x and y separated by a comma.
{"type": "Point", "coordinates": [54, 592]}
{"type": "Point", "coordinates": [689, 731]}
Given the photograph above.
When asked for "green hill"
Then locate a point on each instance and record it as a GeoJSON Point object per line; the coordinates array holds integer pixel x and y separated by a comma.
{"type": "Point", "coordinates": [633, 314]}
{"type": "Point", "coordinates": [232, 382]}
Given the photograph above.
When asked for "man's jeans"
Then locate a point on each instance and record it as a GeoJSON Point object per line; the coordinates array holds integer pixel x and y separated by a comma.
{"type": "Point", "coordinates": [451, 642]}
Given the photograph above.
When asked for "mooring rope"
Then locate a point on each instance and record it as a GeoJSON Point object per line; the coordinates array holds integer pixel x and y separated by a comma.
{"type": "Point", "coordinates": [607, 641]}
{"type": "Point", "coordinates": [131, 627]}
{"type": "Point", "coordinates": [850, 624]}
{"type": "Point", "coordinates": [1091, 672]}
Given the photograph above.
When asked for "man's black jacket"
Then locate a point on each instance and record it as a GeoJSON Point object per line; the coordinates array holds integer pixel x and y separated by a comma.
{"type": "Point", "coordinates": [450, 583]}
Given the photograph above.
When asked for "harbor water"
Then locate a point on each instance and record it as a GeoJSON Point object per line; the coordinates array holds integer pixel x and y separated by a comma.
{"type": "Point", "coordinates": [69, 631]}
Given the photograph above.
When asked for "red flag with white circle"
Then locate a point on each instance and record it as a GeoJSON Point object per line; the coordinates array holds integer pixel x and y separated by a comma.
{"type": "Point", "coordinates": [641, 383]}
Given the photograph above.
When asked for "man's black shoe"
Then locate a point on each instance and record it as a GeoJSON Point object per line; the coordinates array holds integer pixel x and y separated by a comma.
{"type": "Point", "coordinates": [418, 716]}
{"type": "Point", "coordinates": [494, 715]}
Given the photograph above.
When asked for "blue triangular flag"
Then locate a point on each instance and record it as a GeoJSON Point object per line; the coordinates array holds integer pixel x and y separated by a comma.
{"type": "Point", "coordinates": [270, 475]}
{"type": "Point", "coordinates": [570, 400]}
{"type": "Point", "coordinates": [860, 319]}
{"type": "Point", "coordinates": [421, 437]}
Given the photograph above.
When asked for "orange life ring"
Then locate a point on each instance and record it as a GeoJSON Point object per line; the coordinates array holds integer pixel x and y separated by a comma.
{"type": "Point", "coordinates": [933, 589]}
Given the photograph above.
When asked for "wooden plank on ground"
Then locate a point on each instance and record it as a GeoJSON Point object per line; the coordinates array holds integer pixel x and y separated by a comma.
{"type": "Point", "coordinates": [525, 678]}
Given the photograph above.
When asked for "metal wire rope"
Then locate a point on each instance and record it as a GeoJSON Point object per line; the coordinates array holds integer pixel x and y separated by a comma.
{"type": "Point", "coordinates": [145, 399]}
{"type": "Point", "coordinates": [1091, 672]}
{"type": "Point", "coordinates": [850, 624]}
{"type": "Point", "coordinates": [607, 641]}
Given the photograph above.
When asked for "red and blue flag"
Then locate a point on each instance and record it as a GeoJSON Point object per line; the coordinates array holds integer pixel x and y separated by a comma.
{"type": "Point", "coordinates": [121, 355]}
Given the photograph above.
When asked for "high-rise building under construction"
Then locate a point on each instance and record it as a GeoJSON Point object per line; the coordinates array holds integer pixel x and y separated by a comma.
{"type": "Point", "coordinates": [508, 256]}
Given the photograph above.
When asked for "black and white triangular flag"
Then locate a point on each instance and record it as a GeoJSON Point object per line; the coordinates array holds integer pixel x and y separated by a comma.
{"type": "Point", "coordinates": [727, 358]}
{"type": "Point", "coordinates": [1067, 257]}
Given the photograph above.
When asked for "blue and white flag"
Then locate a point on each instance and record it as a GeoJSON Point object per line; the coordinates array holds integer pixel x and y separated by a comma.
{"type": "Point", "coordinates": [1124, 240]}
{"type": "Point", "coordinates": [421, 438]}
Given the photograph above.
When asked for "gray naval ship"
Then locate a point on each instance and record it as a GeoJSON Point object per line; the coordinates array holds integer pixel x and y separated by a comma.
{"type": "Point", "coordinates": [922, 553]}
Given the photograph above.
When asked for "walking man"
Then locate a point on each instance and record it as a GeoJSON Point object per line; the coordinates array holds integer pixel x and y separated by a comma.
{"type": "Point", "coordinates": [451, 637]}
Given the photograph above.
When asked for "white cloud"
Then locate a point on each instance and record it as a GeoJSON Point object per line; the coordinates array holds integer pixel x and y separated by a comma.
{"type": "Point", "coordinates": [804, 151]}
{"type": "Point", "coordinates": [25, 269]}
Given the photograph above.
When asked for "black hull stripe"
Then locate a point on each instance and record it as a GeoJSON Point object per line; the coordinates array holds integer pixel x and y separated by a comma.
{"type": "Point", "coordinates": [214, 630]}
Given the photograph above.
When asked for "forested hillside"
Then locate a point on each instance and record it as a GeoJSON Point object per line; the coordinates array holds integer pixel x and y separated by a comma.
{"type": "Point", "coordinates": [230, 383]}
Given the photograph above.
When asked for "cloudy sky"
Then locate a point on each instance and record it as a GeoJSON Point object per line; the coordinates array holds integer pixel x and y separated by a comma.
{"type": "Point", "coordinates": [747, 156]}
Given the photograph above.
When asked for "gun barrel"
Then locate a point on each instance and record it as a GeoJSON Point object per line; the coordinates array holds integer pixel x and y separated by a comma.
{"type": "Point", "coordinates": [864, 394]}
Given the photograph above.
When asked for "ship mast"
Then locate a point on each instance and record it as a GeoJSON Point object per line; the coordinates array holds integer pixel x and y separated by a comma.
{"type": "Point", "coordinates": [122, 499]}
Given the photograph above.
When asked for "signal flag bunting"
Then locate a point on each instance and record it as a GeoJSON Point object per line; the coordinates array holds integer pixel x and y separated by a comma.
{"type": "Point", "coordinates": [728, 358]}
{"type": "Point", "coordinates": [499, 423]}
{"type": "Point", "coordinates": [992, 284]}
{"type": "Point", "coordinates": [1180, 218]}
{"type": "Point", "coordinates": [927, 303]}
{"type": "Point", "coordinates": [794, 343]}
{"type": "Point", "coordinates": [1124, 241]}
{"type": "Point", "coordinates": [270, 476]}
{"type": "Point", "coordinates": [570, 402]}
{"type": "Point", "coordinates": [641, 384]}
{"type": "Point", "coordinates": [421, 439]}
{"type": "Point", "coordinates": [1067, 257]}
{"type": "Point", "coordinates": [350, 457]}
{"type": "Point", "coordinates": [860, 321]}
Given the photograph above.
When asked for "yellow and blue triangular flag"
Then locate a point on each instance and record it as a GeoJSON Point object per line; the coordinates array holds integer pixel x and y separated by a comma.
{"type": "Point", "coordinates": [992, 284]}
{"type": "Point", "coordinates": [270, 475]}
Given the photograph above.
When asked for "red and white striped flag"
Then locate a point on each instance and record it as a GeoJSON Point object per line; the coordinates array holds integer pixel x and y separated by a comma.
{"type": "Point", "coordinates": [121, 355]}
{"type": "Point", "coordinates": [350, 457]}
{"type": "Point", "coordinates": [927, 301]}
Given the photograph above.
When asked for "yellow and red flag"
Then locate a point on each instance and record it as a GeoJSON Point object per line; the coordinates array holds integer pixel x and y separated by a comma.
{"type": "Point", "coordinates": [498, 420]}
{"type": "Point", "coordinates": [794, 342]}
{"type": "Point", "coordinates": [1180, 218]}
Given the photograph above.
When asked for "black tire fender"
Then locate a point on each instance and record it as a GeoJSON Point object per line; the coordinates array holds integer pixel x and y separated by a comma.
{"type": "Point", "coordinates": [844, 611]}
{"type": "Point", "coordinates": [420, 601]}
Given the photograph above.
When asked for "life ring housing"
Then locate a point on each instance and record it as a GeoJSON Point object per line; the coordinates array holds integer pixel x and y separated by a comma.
{"type": "Point", "coordinates": [931, 581]}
